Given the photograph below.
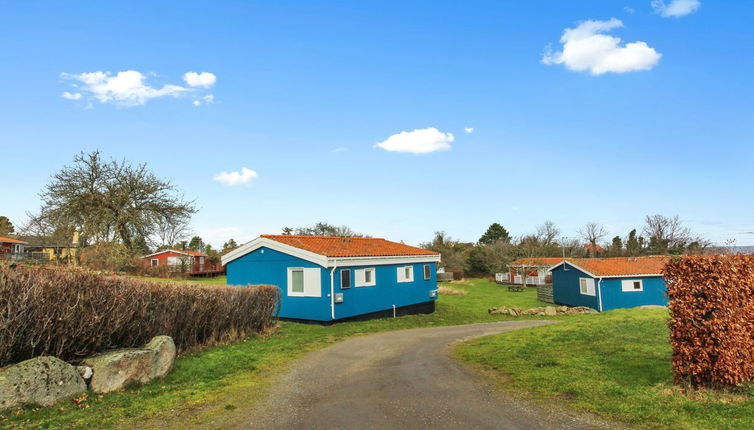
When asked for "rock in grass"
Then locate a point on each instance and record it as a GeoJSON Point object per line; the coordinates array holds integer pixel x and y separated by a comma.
{"type": "Point", "coordinates": [39, 381]}
{"type": "Point", "coordinates": [117, 369]}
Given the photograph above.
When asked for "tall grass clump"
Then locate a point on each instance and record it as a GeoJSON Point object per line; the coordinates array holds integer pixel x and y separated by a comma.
{"type": "Point", "coordinates": [71, 314]}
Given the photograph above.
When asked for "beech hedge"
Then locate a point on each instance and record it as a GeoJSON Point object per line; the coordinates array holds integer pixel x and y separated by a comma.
{"type": "Point", "coordinates": [72, 314]}
{"type": "Point", "coordinates": [711, 303]}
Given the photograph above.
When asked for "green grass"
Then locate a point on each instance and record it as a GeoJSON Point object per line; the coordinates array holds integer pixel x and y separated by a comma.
{"type": "Point", "coordinates": [615, 364]}
{"type": "Point", "coordinates": [208, 386]}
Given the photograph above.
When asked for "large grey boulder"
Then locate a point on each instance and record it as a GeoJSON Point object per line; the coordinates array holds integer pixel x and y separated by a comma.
{"type": "Point", "coordinates": [117, 369]}
{"type": "Point", "coordinates": [39, 381]}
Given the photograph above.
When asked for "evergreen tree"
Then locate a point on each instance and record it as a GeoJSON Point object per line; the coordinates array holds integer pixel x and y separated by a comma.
{"type": "Point", "coordinates": [495, 233]}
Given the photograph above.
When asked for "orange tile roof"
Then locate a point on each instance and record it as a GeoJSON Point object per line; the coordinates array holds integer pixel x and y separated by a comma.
{"type": "Point", "coordinates": [336, 246]}
{"type": "Point", "coordinates": [9, 240]}
{"type": "Point", "coordinates": [622, 266]}
{"type": "Point", "coordinates": [536, 261]}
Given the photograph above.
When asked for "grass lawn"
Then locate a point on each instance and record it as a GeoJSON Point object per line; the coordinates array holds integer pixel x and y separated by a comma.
{"type": "Point", "coordinates": [615, 364]}
{"type": "Point", "coordinates": [206, 387]}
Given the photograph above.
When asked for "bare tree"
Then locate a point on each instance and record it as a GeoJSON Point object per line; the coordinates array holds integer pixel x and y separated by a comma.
{"type": "Point", "coordinates": [547, 232]}
{"type": "Point", "coordinates": [668, 234]}
{"type": "Point", "coordinates": [170, 232]}
{"type": "Point", "coordinates": [106, 200]}
{"type": "Point", "coordinates": [592, 233]}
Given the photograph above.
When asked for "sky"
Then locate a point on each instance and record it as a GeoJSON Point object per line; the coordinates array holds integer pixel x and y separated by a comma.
{"type": "Point", "coordinates": [395, 118]}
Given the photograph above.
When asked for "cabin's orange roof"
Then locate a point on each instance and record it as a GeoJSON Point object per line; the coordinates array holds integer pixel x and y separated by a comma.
{"type": "Point", "coordinates": [536, 261]}
{"type": "Point", "coordinates": [9, 240]}
{"type": "Point", "coordinates": [621, 266]}
{"type": "Point", "coordinates": [336, 246]}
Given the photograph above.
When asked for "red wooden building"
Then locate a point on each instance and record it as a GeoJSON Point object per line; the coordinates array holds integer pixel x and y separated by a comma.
{"type": "Point", "coordinates": [191, 262]}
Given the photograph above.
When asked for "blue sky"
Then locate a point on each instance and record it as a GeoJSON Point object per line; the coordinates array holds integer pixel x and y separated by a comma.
{"type": "Point", "coordinates": [301, 93]}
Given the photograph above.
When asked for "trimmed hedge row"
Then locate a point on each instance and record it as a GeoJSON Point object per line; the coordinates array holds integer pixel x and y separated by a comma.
{"type": "Point", "coordinates": [712, 319]}
{"type": "Point", "coordinates": [72, 314]}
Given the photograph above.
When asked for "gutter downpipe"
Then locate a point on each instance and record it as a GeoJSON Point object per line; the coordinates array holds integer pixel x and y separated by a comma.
{"type": "Point", "coordinates": [332, 290]}
{"type": "Point", "coordinates": [599, 289]}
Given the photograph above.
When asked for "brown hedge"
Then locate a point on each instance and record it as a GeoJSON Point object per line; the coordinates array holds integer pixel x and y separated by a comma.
{"type": "Point", "coordinates": [712, 319]}
{"type": "Point", "coordinates": [72, 314]}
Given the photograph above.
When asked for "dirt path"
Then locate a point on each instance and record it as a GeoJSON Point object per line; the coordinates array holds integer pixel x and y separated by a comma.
{"type": "Point", "coordinates": [400, 380]}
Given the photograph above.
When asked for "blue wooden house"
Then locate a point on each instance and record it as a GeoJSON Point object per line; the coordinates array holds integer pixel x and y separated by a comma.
{"type": "Point", "coordinates": [328, 278]}
{"type": "Point", "coordinates": [609, 283]}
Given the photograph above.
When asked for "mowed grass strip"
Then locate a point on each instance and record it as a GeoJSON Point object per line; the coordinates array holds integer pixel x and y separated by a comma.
{"type": "Point", "coordinates": [615, 364]}
{"type": "Point", "coordinates": [211, 386]}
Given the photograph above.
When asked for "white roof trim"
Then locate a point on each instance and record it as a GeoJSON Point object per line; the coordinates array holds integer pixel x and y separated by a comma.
{"type": "Point", "coordinates": [322, 260]}
{"type": "Point", "coordinates": [274, 245]}
{"type": "Point", "coordinates": [173, 250]}
{"type": "Point", "coordinates": [381, 260]}
{"type": "Point", "coordinates": [638, 275]}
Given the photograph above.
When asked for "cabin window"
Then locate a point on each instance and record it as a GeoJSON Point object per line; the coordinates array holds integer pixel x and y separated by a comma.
{"type": "Point", "coordinates": [628, 285]}
{"type": "Point", "coordinates": [304, 282]}
{"type": "Point", "coordinates": [586, 286]}
{"type": "Point", "coordinates": [174, 261]}
{"type": "Point", "coordinates": [427, 272]}
{"type": "Point", "coordinates": [406, 274]}
{"type": "Point", "coordinates": [365, 277]}
{"type": "Point", "coordinates": [345, 279]}
{"type": "Point", "coordinates": [155, 262]}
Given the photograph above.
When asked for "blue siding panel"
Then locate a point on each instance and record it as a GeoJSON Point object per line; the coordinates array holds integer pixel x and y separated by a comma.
{"type": "Point", "coordinates": [387, 292]}
{"type": "Point", "coordinates": [613, 297]}
{"type": "Point", "coordinates": [566, 288]}
{"type": "Point", "coordinates": [267, 266]}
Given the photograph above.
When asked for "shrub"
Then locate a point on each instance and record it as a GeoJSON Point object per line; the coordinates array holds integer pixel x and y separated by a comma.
{"type": "Point", "coordinates": [71, 314]}
{"type": "Point", "coordinates": [712, 319]}
{"type": "Point", "coordinates": [113, 257]}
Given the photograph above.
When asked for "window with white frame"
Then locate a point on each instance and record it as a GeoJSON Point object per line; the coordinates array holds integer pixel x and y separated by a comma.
{"type": "Point", "coordinates": [155, 262]}
{"type": "Point", "coordinates": [427, 272]}
{"type": "Point", "coordinates": [345, 279]}
{"type": "Point", "coordinates": [586, 286]}
{"type": "Point", "coordinates": [628, 285]}
{"type": "Point", "coordinates": [304, 282]}
{"type": "Point", "coordinates": [365, 277]}
{"type": "Point", "coordinates": [406, 274]}
{"type": "Point", "coordinates": [174, 261]}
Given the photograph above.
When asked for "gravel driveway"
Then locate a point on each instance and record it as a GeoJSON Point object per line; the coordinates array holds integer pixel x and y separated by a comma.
{"type": "Point", "coordinates": [401, 380]}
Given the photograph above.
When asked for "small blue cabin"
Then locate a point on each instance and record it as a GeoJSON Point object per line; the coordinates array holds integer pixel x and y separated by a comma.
{"type": "Point", "coordinates": [610, 283]}
{"type": "Point", "coordinates": [329, 278]}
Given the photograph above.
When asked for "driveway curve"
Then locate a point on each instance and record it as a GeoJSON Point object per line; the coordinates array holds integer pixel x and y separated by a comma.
{"type": "Point", "coordinates": [400, 380]}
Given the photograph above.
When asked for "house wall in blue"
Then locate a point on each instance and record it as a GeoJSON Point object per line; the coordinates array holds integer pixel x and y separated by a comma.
{"type": "Point", "coordinates": [567, 290]}
{"type": "Point", "coordinates": [268, 266]}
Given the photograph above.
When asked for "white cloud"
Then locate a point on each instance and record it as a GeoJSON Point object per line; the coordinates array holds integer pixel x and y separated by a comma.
{"type": "Point", "coordinates": [468, 129]}
{"type": "Point", "coordinates": [628, 9]}
{"type": "Point", "coordinates": [196, 103]}
{"type": "Point", "coordinates": [339, 149]}
{"type": "Point", "coordinates": [676, 8]}
{"type": "Point", "coordinates": [202, 80]}
{"type": "Point", "coordinates": [586, 48]}
{"type": "Point", "coordinates": [209, 98]}
{"type": "Point", "coordinates": [71, 96]}
{"type": "Point", "coordinates": [419, 141]}
{"type": "Point", "coordinates": [235, 178]}
{"type": "Point", "coordinates": [127, 88]}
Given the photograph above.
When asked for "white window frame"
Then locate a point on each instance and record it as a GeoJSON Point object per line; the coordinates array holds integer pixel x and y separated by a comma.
{"type": "Point", "coordinates": [627, 285]}
{"type": "Point", "coordinates": [589, 284]}
{"type": "Point", "coordinates": [427, 270]}
{"type": "Point", "coordinates": [402, 276]}
{"type": "Point", "coordinates": [312, 282]}
{"type": "Point", "coordinates": [359, 278]}
{"type": "Point", "coordinates": [154, 262]}
{"type": "Point", "coordinates": [350, 279]}
{"type": "Point", "coordinates": [174, 261]}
